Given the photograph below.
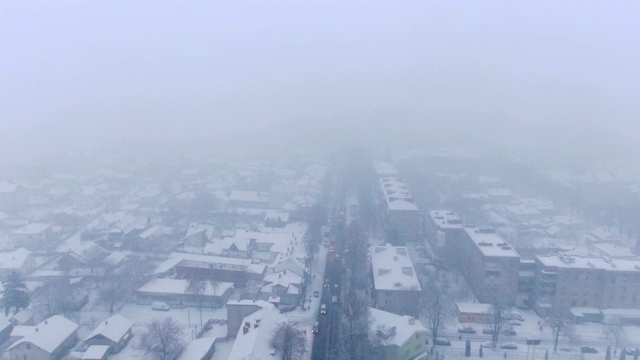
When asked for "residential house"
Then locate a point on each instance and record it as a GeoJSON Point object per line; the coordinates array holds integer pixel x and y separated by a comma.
{"type": "Point", "coordinates": [282, 288]}
{"type": "Point", "coordinates": [20, 261]}
{"type": "Point", "coordinates": [22, 317]}
{"type": "Point", "coordinates": [401, 337]}
{"type": "Point", "coordinates": [36, 236]}
{"type": "Point", "coordinates": [114, 332]}
{"type": "Point", "coordinates": [200, 234]}
{"type": "Point", "coordinates": [50, 339]}
{"type": "Point", "coordinates": [253, 340]}
{"type": "Point", "coordinates": [276, 219]}
{"type": "Point", "coordinates": [248, 200]}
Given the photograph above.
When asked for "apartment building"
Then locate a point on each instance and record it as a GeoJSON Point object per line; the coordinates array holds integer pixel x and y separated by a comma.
{"type": "Point", "coordinates": [442, 231]}
{"type": "Point", "coordinates": [490, 265]}
{"type": "Point", "coordinates": [400, 209]}
{"type": "Point", "coordinates": [576, 281]}
{"type": "Point", "coordinates": [395, 283]}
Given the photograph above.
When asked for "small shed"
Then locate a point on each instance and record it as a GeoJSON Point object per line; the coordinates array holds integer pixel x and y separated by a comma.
{"type": "Point", "coordinates": [474, 312]}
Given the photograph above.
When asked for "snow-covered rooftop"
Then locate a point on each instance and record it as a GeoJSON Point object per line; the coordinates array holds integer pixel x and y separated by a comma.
{"type": "Point", "coordinates": [95, 352]}
{"type": "Point", "coordinates": [445, 219]}
{"type": "Point", "coordinates": [14, 260]}
{"type": "Point", "coordinates": [580, 262]}
{"type": "Point", "coordinates": [113, 328]}
{"type": "Point", "coordinates": [181, 287]}
{"type": "Point", "coordinates": [250, 196]}
{"type": "Point", "coordinates": [397, 195]}
{"type": "Point", "coordinates": [384, 323]}
{"type": "Point", "coordinates": [392, 268]}
{"type": "Point", "coordinates": [197, 349]}
{"type": "Point", "coordinates": [252, 343]}
{"type": "Point", "coordinates": [32, 229]}
{"type": "Point", "coordinates": [49, 334]}
{"type": "Point", "coordinates": [490, 242]}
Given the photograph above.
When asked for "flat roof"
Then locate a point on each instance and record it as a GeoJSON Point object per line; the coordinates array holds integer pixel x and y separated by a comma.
{"type": "Point", "coordinates": [445, 219]}
{"type": "Point", "coordinates": [397, 195]}
{"type": "Point", "coordinates": [490, 242]}
{"type": "Point", "coordinates": [392, 268]}
{"type": "Point", "coordinates": [590, 262]}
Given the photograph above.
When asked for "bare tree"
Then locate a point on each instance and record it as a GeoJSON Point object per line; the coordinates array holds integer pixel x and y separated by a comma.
{"type": "Point", "coordinates": [435, 304]}
{"type": "Point", "coordinates": [113, 291]}
{"type": "Point", "coordinates": [162, 339]}
{"type": "Point", "coordinates": [355, 309]}
{"type": "Point", "coordinates": [54, 295]}
{"type": "Point", "coordinates": [616, 333]}
{"type": "Point", "coordinates": [560, 324]}
{"type": "Point", "coordinates": [290, 340]}
{"type": "Point", "coordinates": [498, 322]}
{"type": "Point", "coordinates": [197, 288]}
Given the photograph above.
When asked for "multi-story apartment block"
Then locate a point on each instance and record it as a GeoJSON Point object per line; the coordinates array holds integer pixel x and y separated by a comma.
{"type": "Point", "coordinates": [395, 283]}
{"type": "Point", "coordinates": [442, 233]}
{"type": "Point", "coordinates": [574, 281]}
{"type": "Point", "coordinates": [490, 265]}
{"type": "Point", "coordinates": [400, 209]}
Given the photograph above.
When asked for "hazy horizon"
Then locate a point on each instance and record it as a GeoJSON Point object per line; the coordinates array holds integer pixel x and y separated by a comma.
{"type": "Point", "coordinates": [79, 75]}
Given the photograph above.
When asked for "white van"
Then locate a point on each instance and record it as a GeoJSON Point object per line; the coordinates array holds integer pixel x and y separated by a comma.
{"type": "Point", "coordinates": [160, 306]}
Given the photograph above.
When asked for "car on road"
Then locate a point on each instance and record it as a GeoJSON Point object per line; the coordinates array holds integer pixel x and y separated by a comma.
{"type": "Point", "coordinates": [335, 286]}
{"type": "Point", "coordinates": [326, 283]}
{"type": "Point", "coordinates": [442, 342]}
{"type": "Point", "coordinates": [160, 306]}
{"type": "Point", "coordinates": [323, 309]}
{"type": "Point", "coordinates": [316, 293]}
{"type": "Point", "coordinates": [588, 350]}
{"type": "Point", "coordinates": [510, 346]}
{"type": "Point", "coordinates": [467, 330]}
{"type": "Point", "coordinates": [509, 332]}
{"type": "Point", "coordinates": [314, 330]}
{"type": "Point", "coordinates": [334, 299]}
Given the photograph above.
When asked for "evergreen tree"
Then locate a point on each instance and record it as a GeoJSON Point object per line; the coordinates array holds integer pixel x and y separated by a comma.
{"type": "Point", "coordinates": [15, 293]}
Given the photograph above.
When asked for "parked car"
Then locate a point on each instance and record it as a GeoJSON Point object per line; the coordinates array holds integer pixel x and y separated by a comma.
{"type": "Point", "coordinates": [632, 352]}
{"type": "Point", "coordinates": [487, 331]}
{"type": "Point", "coordinates": [509, 332]}
{"type": "Point", "coordinates": [316, 293]}
{"type": "Point", "coordinates": [588, 350]}
{"type": "Point", "coordinates": [514, 323]}
{"type": "Point", "coordinates": [334, 299]}
{"type": "Point", "coordinates": [160, 306]}
{"type": "Point", "coordinates": [467, 330]}
{"type": "Point", "coordinates": [509, 346]}
{"type": "Point", "coordinates": [513, 316]}
{"type": "Point", "coordinates": [442, 342]}
{"type": "Point", "coordinates": [323, 309]}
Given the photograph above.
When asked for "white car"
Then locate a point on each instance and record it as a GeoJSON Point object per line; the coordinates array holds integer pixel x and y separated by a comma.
{"type": "Point", "coordinates": [160, 306]}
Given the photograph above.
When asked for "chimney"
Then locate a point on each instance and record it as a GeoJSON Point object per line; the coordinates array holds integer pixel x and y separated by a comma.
{"type": "Point", "coordinates": [36, 329]}
{"type": "Point", "coordinates": [247, 324]}
{"type": "Point", "coordinates": [245, 330]}
{"type": "Point", "coordinates": [106, 322]}
{"type": "Point", "coordinates": [46, 322]}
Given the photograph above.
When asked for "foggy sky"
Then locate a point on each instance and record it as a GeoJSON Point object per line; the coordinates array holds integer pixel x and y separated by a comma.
{"type": "Point", "coordinates": [83, 74]}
